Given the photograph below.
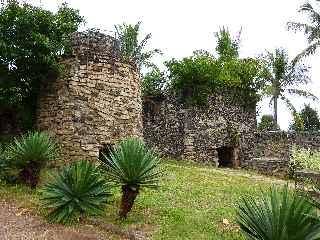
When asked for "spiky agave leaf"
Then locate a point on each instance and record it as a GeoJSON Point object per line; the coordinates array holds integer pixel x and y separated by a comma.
{"type": "Point", "coordinates": [278, 215]}
{"type": "Point", "coordinates": [79, 189]}
{"type": "Point", "coordinates": [133, 163]}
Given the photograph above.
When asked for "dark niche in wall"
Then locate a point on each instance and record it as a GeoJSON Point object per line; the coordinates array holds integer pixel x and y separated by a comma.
{"type": "Point", "coordinates": [228, 157]}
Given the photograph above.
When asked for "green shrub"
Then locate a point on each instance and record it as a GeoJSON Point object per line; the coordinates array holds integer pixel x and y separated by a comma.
{"type": "Point", "coordinates": [132, 165]}
{"type": "Point", "coordinates": [278, 215]}
{"type": "Point", "coordinates": [267, 124]}
{"type": "Point", "coordinates": [29, 154]}
{"type": "Point", "coordinates": [79, 189]}
{"type": "Point", "coordinates": [303, 159]}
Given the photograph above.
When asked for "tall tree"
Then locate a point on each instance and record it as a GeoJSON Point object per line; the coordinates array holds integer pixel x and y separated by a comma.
{"type": "Point", "coordinates": [31, 42]}
{"type": "Point", "coordinates": [308, 118]}
{"type": "Point", "coordinates": [282, 77]}
{"type": "Point", "coordinates": [131, 49]}
{"type": "Point", "coordinates": [311, 29]}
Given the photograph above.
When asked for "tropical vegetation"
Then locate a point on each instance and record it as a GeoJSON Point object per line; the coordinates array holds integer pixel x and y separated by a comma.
{"type": "Point", "coordinates": [281, 78]}
{"type": "Point", "coordinates": [132, 165]}
{"type": "Point", "coordinates": [278, 214]}
{"type": "Point", "coordinates": [267, 124]}
{"type": "Point", "coordinates": [32, 40]}
{"type": "Point", "coordinates": [311, 29]}
{"type": "Point", "coordinates": [308, 120]}
{"type": "Point", "coordinates": [29, 154]}
{"type": "Point", "coordinates": [133, 49]}
{"type": "Point", "coordinates": [76, 191]}
{"type": "Point", "coordinates": [195, 78]}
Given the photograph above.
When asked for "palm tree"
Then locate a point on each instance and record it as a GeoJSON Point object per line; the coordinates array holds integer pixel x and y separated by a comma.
{"type": "Point", "coordinates": [282, 76]}
{"type": "Point", "coordinates": [311, 30]}
{"type": "Point", "coordinates": [132, 165]}
{"type": "Point", "coordinates": [131, 49]}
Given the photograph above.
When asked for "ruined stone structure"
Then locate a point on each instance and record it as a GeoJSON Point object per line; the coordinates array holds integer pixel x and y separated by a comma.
{"type": "Point", "coordinates": [218, 133]}
{"type": "Point", "coordinates": [95, 103]}
{"type": "Point", "coordinates": [270, 152]}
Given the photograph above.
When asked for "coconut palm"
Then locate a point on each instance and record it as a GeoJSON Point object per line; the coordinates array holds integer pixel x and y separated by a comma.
{"type": "Point", "coordinates": [131, 49]}
{"type": "Point", "coordinates": [278, 215]}
{"type": "Point", "coordinates": [132, 165]}
{"type": "Point", "coordinates": [311, 29]}
{"type": "Point", "coordinates": [282, 77]}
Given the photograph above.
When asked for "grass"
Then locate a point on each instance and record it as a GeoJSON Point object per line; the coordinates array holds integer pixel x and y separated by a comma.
{"type": "Point", "coordinates": [193, 202]}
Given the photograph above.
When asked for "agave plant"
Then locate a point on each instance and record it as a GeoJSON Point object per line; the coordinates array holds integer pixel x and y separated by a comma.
{"type": "Point", "coordinates": [278, 215]}
{"type": "Point", "coordinates": [132, 165]}
{"type": "Point", "coordinates": [79, 189]}
{"type": "Point", "coordinates": [30, 153]}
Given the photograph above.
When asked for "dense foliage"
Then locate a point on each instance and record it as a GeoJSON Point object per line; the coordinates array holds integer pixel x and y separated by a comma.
{"type": "Point", "coordinates": [308, 120]}
{"type": "Point", "coordinates": [267, 124]}
{"type": "Point", "coordinates": [132, 165]}
{"type": "Point", "coordinates": [31, 41]}
{"type": "Point", "coordinates": [153, 83]}
{"type": "Point", "coordinates": [131, 48]}
{"type": "Point", "coordinates": [278, 215]}
{"type": "Point", "coordinates": [77, 190]}
{"type": "Point", "coordinates": [195, 78]}
{"type": "Point", "coordinates": [282, 76]}
{"type": "Point", "coordinates": [29, 154]}
{"type": "Point", "coordinates": [302, 158]}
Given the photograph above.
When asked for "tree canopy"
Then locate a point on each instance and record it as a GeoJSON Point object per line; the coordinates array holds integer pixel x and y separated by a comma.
{"type": "Point", "coordinates": [31, 42]}
{"type": "Point", "coordinates": [308, 120]}
{"type": "Point", "coordinates": [194, 78]}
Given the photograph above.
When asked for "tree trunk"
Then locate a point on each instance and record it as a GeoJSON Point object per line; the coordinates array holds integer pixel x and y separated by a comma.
{"type": "Point", "coordinates": [275, 111]}
{"type": "Point", "coordinates": [30, 176]}
{"type": "Point", "coordinates": [129, 194]}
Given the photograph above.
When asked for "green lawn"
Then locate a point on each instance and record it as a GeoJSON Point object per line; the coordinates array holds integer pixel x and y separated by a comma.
{"type": "Point", "coordinates": [191, 203]}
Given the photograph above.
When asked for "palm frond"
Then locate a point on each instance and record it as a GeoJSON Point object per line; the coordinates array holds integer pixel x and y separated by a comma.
{"type": "Point", "coordinates": [288, 104]}
{"type": "Point", "coordinates": [302, 93]}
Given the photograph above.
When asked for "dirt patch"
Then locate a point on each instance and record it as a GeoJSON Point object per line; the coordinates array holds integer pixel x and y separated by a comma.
{"type": "Point", "coordinates": [20, 224]}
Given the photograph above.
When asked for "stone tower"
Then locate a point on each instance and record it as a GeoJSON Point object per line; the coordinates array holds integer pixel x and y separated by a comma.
{"type": "Point", "coordinates": [95, 103]}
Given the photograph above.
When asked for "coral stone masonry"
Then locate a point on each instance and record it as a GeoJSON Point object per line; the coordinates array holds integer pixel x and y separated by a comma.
{"type": "Point", "coordinates": [219, 133]}
{"type": "Point", "coordinates": [95, 103]}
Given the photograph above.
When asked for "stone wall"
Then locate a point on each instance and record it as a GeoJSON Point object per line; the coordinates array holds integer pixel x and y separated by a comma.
{"type": "Point", "coordinates": [95, 103]}
{"type": "Point", "coordinates": [195, 133]}
{"type": "Point", "coordinates": [270, 152]}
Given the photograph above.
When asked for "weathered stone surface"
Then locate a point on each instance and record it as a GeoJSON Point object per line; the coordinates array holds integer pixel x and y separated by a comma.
{"type": "Point", "coordinates": [96, 102]}
{"type": "Point", "coordinates": [270, 152]}
{"type": "Point", "coordinates": [195, 133]}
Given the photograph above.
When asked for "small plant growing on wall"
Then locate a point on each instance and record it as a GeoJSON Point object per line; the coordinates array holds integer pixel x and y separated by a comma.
{"type": "Point", "coordinates": [132, 165]}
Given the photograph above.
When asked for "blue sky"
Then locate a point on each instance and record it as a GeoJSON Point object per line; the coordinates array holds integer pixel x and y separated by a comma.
{"type": "Point", "coordinates": [180, 26]}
